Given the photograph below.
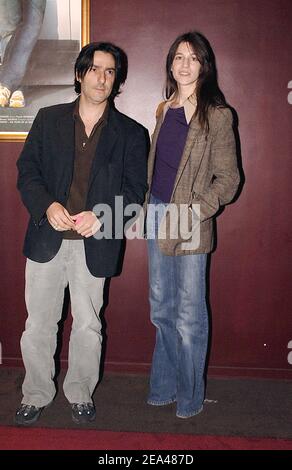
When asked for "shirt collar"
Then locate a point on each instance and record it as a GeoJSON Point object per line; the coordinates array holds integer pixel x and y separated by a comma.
{"type": "Point", "coordinates": [189, 106]}
{"type": "Point", "coordinates": [103, 118]}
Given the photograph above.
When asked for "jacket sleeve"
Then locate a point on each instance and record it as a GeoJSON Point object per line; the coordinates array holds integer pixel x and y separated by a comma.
{"type": "Point", "coordinates": [135, 169]}
{"type": "Point", "coordinates": [30, 181]}
{"type": "Point", "coordinates": [226, 177]}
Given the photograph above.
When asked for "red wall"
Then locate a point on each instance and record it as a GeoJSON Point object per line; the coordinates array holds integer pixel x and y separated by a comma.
{"type": "Point", "coordinates": [250, 292]}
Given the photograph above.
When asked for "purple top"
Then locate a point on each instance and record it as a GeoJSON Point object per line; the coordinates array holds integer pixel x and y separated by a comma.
{"type": "Point", "coordinates": [170, 145]}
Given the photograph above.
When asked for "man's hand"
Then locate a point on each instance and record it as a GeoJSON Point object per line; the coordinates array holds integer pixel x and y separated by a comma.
{"type": "Point", "coordinates": [86, 223]}
{"type": "Point", "coordinates": [59, 217]}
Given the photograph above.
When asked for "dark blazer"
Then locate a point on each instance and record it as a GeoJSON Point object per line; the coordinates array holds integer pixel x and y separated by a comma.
{"type": "Point", "coordinates": [46, 165]}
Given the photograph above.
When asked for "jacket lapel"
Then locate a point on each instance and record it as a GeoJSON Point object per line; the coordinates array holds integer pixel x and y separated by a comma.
{"type": "Point", "coordinates": [66, 130]}
{"type": "Point", "coordinates": [105, 145]}
{"type": "Point", "coordinates": [195, 132]}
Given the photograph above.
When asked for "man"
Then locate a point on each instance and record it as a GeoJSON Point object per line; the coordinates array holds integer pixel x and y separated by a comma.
{"type": "Point", "coordinates": [76, 155]}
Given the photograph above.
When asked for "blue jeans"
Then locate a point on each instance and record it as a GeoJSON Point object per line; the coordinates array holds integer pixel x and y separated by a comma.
{"type": "Point", "coordinates": [179, 313]}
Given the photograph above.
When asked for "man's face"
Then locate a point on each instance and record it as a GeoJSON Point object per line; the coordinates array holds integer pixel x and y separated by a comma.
{"type": "Point", "coordinates": [97, 84]}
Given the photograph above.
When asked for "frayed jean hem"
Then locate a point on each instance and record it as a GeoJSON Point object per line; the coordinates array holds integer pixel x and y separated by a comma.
{"type": "Point", "coordinates": [161, 403]}
{"type": "Point", "coordinates": [189, 415]}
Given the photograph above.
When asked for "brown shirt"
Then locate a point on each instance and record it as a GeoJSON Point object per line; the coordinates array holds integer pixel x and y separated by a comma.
{"type": "Point", "coordinates": [85, 148]}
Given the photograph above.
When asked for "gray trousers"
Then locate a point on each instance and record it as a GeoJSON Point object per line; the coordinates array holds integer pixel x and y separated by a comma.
{"type": "Point", "coordinates": [44, 296]}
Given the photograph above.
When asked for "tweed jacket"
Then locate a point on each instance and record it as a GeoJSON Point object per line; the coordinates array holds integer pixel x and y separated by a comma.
{"type": "Point", "coordinates": [207, 176]}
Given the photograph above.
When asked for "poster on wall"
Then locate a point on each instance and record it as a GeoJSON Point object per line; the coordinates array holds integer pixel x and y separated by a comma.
{"type": "Point", "coordinates": [39, 43]}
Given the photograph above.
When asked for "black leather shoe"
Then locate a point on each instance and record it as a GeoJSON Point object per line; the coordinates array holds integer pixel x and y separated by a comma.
{"type": "Point", "coordinates": [27, 414]}
{"type": "Point", "coordinates": [83, 412]}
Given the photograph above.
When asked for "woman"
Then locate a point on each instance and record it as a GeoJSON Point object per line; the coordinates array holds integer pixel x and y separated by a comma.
{"type": "Point", "coordinates": [193, 169]}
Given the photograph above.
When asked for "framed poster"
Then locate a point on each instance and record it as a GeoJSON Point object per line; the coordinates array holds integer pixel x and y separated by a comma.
{"type": "Point", "coordinates": [39, 43]}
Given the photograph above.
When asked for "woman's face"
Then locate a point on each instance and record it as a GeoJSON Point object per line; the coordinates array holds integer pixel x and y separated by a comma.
{"type": "Point", "coordinates": [185, 66]}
